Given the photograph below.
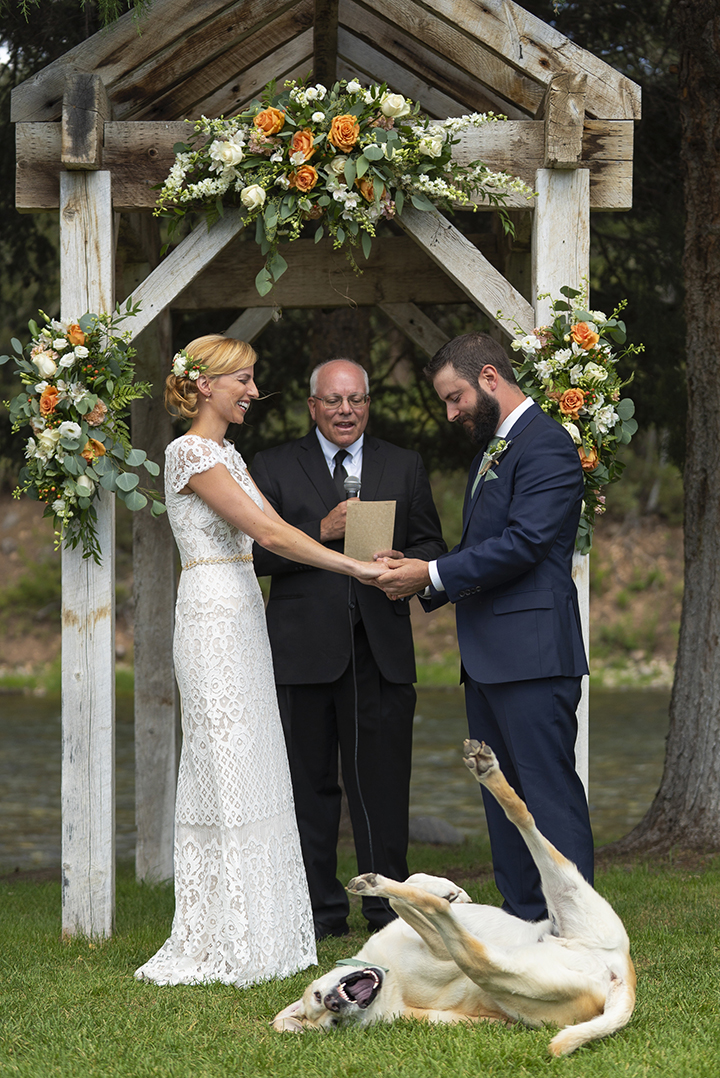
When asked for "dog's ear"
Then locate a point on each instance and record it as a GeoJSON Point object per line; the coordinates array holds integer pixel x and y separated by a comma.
{"type": "Point", "coordinates": [286, 1022]}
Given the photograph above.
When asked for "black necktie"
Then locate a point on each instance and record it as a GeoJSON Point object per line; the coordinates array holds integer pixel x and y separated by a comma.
{"type": "Point", "coordinates": [340, 474]}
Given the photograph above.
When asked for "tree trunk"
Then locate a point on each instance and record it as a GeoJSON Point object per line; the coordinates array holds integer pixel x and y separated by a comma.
{"type": "Point", "coordinates": [686, 809]}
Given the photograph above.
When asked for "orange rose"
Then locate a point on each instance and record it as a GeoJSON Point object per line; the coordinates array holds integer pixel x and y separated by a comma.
{"type": "Point", "coordinates": [584, 336]}
{"type": "Point", "coordinates": [302, 141]}
{"type": "Point", "coordinates": [48, 400]}
{"type": "Point", "coordinates": [92, 450]}
{"type": "Point", "coordinates": [304, 179]}
{"type": "Point", "coordinates": [344, 132]}
{"type": "Point", "coordinates": [270, 120]}
{"type": "Point", "coordinates": [571, 402]}
{"type": "Point", "coordinates": [75, 335]}
{"type": "Point", "coordinates": [588, 458]}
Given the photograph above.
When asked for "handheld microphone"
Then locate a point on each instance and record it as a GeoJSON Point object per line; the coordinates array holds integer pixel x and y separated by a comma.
{"type": "Point", "coordinates": [352, 486]}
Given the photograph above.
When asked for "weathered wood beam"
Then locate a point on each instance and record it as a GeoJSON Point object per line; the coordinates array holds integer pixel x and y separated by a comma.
{"type": "Point", "coordinates": [468, 268]}
{"type": "Point", "coordinates": [140, 154]}
{"type": "Point", "coordinates": [249, 325]}
{"type": "Point", "coordinates": [360, 58]}
{"type": "Point", "coordinates": [238, 73]}
{"type": "Point", "coordinates": [88, 607]}
{"type": "Point", "coordinates": [318, 276]}
{"type": "Point", "coordinates": [535, 49]}
{"type": "Point", "coordinates": [182, 266]}
{"type": "Point", "coordinates": [416, 325]}
{"type": "Point", "coordinates": [157, 733]}
{"type": "Point", "coordinates": [179, 35]}
{"type": "Point", "coordinates": [85, 109]}
{"type": "Point", "coordinates": [564, 115]}
{"type": "Point", "coordinates": [326, 42]}
{"type": "Point", "coordinates": [561, 256]}
{"type": "Point", "coordinates": [447, 59]}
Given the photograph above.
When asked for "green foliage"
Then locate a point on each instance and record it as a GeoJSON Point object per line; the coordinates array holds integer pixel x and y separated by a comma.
{"type": "Point", "coordinates": [74, 1008]}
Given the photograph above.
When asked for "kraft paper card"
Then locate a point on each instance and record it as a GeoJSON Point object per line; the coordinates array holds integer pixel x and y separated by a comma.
{"type": "Point", "coordinates": [369, 528]}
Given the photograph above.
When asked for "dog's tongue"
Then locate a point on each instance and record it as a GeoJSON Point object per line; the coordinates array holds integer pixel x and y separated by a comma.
{"type": "Point", "coordinates": [362, 989]}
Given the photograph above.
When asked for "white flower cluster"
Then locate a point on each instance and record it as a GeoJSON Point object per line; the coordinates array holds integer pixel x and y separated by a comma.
{"type": "Point", "coordinates": [308, 94]}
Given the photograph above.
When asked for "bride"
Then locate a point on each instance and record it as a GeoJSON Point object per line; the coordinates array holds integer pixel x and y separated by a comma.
{"type": "Point", "coordinates": [242, 910]}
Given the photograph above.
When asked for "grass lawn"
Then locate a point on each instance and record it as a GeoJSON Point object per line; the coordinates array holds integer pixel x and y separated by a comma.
{"type": "Point", "coordinates": [74, 1009]}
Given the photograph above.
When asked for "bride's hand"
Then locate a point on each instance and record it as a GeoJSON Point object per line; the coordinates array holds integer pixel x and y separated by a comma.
{"type": "Point", "coordinates": [368, 572]}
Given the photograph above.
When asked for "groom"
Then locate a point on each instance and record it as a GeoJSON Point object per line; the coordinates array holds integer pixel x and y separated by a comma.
{"type": "Point", "coordinates": [516, 605]}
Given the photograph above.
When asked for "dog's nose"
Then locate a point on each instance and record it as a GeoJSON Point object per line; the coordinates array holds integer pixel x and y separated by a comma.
{"type": "Point", "coordinates": [332, 1001]}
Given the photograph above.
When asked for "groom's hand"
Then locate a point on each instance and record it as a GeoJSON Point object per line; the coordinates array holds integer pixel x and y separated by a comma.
{"type": "Point", "coordinates": [333, 525]}
{"type": "Point", "coordinates": [405, 577]}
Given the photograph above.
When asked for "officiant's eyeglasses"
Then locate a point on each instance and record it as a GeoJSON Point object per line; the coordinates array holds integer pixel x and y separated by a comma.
{"type": "Point", "coordinates": [335, 401]}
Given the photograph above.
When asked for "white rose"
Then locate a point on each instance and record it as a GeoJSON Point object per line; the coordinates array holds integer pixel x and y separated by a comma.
{"type": "Point", "coordinates": [431, 145]}
{"type": "Point", "coordinates": [595, 372]}
{"type": "Point", "coordinates": [337, 165]}
{"type": "Point", "coordinates": [58, 506]}
{"type": "Point", "coordinates": [573, 432]}
{"type": "Point", "coordinates": [311, 94]}
{"type": "Point", "coordinates": [60, 344]}
{"type": "Point", "coordinates": [226, 153]}
{"type": "Point", "coordinates": [67, 361]}
{"type": "Point", "coordinates": [318, 117]}
{"type": "Point", "coordinates": [353, 86]}
{"type": "Point", "coordinates": [84, 485]}
{"type": "Point", "coordinates": [45, 364]}
{"type": "Point", "coordinates": [46, 443]}
{"type": "Point", "coordinates": [253, 197]}
{"type": "Point", "coordinates": [40, 388]}
{"type": "Point", "coordinates": [81, 352]}
{"type": "Point", "coordinates": [598, 316]}
{"type": "Point", "coordinates": [69, 429]}
{"type": "Point", "coordinates": [394, 105]}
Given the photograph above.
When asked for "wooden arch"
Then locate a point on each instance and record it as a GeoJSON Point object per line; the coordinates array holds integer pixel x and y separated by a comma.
{"type": "Point", "coordinates": [95, 132]}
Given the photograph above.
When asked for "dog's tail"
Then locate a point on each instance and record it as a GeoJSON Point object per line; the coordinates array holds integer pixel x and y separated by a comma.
{"type": "Point", "coordinates": [619, 1006]}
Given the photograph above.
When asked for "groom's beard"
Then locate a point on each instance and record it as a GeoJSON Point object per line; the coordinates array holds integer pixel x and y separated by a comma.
{"type": "Point", "coordinates": [482, 423]}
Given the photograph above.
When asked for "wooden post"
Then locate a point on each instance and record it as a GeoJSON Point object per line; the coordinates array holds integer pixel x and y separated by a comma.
{"type": "Point", "coordinates": [561, 256]}
{"type": "Point", "coordinates": [88, 610]}
{"type": "Point", "coordinates": [157, 733]}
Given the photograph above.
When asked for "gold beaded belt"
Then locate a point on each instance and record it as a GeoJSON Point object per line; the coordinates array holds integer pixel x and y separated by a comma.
{"type": "Point", "coordinates": [217, 561]}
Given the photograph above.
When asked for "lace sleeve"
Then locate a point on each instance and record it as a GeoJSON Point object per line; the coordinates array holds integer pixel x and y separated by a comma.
{"type": "Point", "coordinates": [186, 457]}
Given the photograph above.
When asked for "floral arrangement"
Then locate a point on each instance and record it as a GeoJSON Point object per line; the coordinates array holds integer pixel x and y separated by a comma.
{"type": "Point", "coordinates": [570, 370]}
{"type": "Point", "coordinates": [348, 158]}
{"type": "Point", "coordinates": [78, 382]}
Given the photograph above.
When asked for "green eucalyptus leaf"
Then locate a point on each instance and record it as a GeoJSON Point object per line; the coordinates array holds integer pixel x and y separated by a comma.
{"type": "Point", "coordinates": [135, 458]}
{"type": "Point", "coordinates": [361, 166]}
{"type": "Point", "coordinates": [158, 508]}
{"type": "Point", "coordinates": [134, 500]}
{"type": "Point", "coordinates": [366, 242]}
{"type": "Point", "coordinates": [127, 481]}
{"type": "Point", "coordinates": [625, 408]}
{"type": "Point", "coordinates": [373, 152]}
{"type": "Point", "coordinates": [151, 467]}
{"type": "Point", "coordinates": [263, 282]}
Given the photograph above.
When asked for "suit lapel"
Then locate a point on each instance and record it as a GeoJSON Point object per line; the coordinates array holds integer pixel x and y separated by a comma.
{"type": "Point", "coordinates": [515, 431]}
{"type": "Point", "coordinates": [312, 461]}
{"type": "Point", "coordinates": [372, 469]}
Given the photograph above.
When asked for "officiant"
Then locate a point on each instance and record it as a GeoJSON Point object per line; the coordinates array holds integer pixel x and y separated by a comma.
{"type": "Point", "coordinates": [343, 656]}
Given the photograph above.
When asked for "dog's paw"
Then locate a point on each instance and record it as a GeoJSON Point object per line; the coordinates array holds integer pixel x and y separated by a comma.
{"type": "Point", "coordinates": [438, 885]}
{"type": "Point", "coordinates": [370, 883]}
{"type": "Point", "coordinates": [479, 758]}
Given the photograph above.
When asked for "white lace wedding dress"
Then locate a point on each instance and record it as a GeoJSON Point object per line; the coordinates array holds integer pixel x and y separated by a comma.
{"type": "Point", "coordinates": [242, 909]}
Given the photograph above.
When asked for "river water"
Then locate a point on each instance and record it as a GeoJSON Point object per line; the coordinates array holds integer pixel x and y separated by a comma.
{"type": "Point", "coordinates": [627, 744]}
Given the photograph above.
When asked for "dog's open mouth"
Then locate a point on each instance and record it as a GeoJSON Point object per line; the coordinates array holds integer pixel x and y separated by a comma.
{"type": "Point", "coordinates": [360, 987]}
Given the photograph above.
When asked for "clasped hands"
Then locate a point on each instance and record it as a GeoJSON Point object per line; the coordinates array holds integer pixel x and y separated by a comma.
{"type": "Point", "coordinates": [404, 576]}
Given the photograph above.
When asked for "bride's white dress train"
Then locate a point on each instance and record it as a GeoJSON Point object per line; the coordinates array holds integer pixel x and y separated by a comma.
{"type": "Point", "coordinates": [242, 909]}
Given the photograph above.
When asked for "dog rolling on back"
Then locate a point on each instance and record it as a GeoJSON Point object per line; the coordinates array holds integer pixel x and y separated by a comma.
{"type": "Point", "coordinates": [448, 960]}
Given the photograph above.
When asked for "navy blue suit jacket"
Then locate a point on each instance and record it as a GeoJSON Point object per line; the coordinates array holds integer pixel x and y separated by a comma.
{"type": "Point", "coordinates": [510, 576]}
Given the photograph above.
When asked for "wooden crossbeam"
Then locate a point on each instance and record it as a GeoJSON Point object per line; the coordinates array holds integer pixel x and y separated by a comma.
{"type": "Point", "coordinates": [139, 155]}
{"type": "Point", "coordinates": [468, 268]}
{"type": "Point", "coordinates": [182, 266]}
{"type": "Point", "coordinates": [249, 325]}
{"type": "Point", "coordinates": [416, 325]}
{"type": "Point", "coordinates": [319, 276]}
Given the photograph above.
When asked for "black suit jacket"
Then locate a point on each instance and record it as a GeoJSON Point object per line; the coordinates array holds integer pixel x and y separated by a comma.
{"type": "Point", "coordinates": [308, 612]}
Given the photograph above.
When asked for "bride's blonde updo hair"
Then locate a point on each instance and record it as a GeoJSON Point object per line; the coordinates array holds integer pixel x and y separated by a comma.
{"type": "Point", "coordinates": [218, 355]}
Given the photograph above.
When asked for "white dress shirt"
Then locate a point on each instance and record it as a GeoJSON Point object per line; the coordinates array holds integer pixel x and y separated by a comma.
{"type": "Point", "coordinates": [352, 463]}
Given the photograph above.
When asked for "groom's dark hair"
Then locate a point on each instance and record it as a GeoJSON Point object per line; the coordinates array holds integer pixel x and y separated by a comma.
{"type": "Point", "coordinates": [468, 355]}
